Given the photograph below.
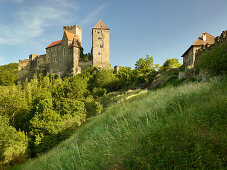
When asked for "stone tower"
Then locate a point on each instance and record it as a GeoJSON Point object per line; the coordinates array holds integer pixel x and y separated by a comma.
{"type": "Point", "coordinates": [100, 45]}
{"type": "Point", "coordinates": [74, 30]}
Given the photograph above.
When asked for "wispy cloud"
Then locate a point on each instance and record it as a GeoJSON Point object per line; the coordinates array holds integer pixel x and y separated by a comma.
{"type": "Point", "coordinates": [31, 22]}
{"type": "Point", "coordinates": [91, 17]}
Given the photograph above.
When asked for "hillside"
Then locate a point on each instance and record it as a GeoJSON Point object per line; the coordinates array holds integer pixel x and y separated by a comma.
{"type": "Point", "coordinates": [8, 74]}
{"type": "Point", "coordinates": [174, 127]}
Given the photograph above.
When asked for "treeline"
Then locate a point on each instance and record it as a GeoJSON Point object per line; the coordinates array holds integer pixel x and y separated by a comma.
{"type": "Point", "coordinates": [37, 115]}
{"type": "Point", "coordinates": [8, 74]}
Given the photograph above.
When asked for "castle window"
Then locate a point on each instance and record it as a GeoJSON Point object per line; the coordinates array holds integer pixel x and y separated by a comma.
{"type": "Point", "coordinates": [101, 46]}
{"type": "Point", "coordinates": [99, 53]}
{"type": "Point", "coordinates": [99, 38]}
{"type": "Point", "coordinates": [98, 32]}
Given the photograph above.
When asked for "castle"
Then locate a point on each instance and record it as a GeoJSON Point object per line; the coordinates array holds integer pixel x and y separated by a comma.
{"type": "Point", "coordinates": [65, 57]}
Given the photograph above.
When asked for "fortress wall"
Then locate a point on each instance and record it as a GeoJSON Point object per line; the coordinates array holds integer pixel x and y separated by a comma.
{"type": "Point", "coordinates": [219, 40]}
{"type": "Point", "coordinates": [84, 65]}
{"type": "Point", "coordinates": [41, 60]}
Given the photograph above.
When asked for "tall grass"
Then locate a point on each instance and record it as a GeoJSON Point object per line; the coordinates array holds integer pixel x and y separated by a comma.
{"type": "Point", "coordinates": [183, 127]}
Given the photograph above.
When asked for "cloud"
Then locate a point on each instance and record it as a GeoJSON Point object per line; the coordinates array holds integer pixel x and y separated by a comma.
{"type": "Point", "coordinates": [32, 21]}
{"type": "Point", "coordinates": [91, 16]}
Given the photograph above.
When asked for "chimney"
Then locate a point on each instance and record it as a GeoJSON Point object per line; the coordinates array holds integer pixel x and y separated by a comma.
{"type": "Point", "coordinates": [204, 36]}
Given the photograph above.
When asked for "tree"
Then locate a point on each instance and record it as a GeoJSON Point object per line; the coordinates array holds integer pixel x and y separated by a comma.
{"type": "Point", "coordinates": [170, 64]}
{"type": "Point", "coordinates": [145, 65]}
{"type": "Point", "coordinates": [13, 143]}
{"type": "Point", "coordinates": [125, 75]}
{"type": "Point", "coordinates": [214, 61]}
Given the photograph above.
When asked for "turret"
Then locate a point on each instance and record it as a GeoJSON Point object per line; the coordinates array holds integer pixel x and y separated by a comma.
{"type": "Point", "coordinates": [100, 45]}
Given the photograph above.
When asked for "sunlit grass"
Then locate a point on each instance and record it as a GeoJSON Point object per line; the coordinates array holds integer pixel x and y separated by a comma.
{"type": "Point", "coordinates": [182, 127]}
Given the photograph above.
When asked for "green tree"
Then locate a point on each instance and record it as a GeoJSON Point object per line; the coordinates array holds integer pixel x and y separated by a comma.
{"type": "Point", "coordinates": [125, 76]}
{"type": "Point", "coordinates": [214, 61]}
{"type": "Point", "coordinates": [9, 74]}
{"type": "Point", "coordinates": [13, 143]}
{"type": "Point", "coordinates": [170, 64]}
{"type": "Point", "coordinates": [145, 65]}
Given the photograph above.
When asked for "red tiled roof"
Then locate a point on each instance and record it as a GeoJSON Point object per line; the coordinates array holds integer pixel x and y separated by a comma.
{"type": "Point", "coordinates": [75, 43]}
{"type": "Point", "coordinates": [70, 36]}
{"type": "Point", "coordinates": [54, 43]}
{"type": "Point", "coordinates": [209, 40]}
{"type": "Point", "coordinates": [199, 42]}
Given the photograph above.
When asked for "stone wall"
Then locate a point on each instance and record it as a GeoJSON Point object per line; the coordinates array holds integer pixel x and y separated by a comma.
{"type": "Point", "coordinates": [218, 40]}
{"type": "Point", "coordinates": [84, 65]}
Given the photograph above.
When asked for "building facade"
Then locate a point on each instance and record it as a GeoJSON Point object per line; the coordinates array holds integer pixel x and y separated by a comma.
{"type": "Point", "coordinates": [65, 57]}
{"type": "Point", "coordinates": [189, 55]}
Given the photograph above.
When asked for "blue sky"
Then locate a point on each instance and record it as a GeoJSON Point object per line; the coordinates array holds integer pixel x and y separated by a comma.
{"type": "Point", "coordinates": [161, 28]}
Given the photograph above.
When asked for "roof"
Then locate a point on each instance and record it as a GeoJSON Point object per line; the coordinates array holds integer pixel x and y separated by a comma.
{"type": "Point", "coordinates": [209, 40]}
{"type": "Point", "coordinates": [199, 42]}
{"type": "Point", "coordinates": [54, 43]}
{"type": "Point", "coordinates": [75, 43]}
{"type": "Point", "coordinates": [71, 36]}
{"type": "Point", "coordinates": [101, 25]}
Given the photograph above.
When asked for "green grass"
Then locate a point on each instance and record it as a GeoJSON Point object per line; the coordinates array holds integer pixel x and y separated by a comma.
{"type": "Point", "coordinates": [182, 127]}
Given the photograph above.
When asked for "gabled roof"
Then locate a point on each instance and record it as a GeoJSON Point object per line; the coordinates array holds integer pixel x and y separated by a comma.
{"type": "Point", "coordinates": [101, 25]}
{"type": "Point", "coordinates": [70, 36]}
{"type": "Point", "coordinates": [209, 40]}
{"type": "Point", "coordinates": [54, 43]}
{"type": "Point", "coordinates": [199, 42]}
{"type": "Point", "coordinates": [75, 43]}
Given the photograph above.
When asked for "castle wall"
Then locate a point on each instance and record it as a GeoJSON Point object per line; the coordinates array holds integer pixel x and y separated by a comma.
{"type": "Point", "coordinates": [84, 65]}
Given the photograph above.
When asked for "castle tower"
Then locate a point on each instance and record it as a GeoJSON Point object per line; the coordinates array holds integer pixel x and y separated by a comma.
{"type": "Point", "coordinates": [100, 45]}
{"type": "Point", "coordinates": [74, 30]}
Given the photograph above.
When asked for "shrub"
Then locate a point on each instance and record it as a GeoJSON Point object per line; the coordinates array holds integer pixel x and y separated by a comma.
{"type": "Point", "coordinates": [214, 61]}
{"type": "Point", "coordinates": [13, 143]}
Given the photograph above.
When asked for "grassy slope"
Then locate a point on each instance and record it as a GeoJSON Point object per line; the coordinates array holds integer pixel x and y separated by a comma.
{"type": "Point", "coordinates": [171, 127]}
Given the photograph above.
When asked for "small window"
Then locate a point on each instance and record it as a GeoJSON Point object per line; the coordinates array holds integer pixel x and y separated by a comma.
{"type": "Point", "coordinates": [101, 46]}
{"type": "Point", "coordinates": [99, 38]}
{"type": "Point", "coordinates": [98, 32]}
{"type": "Point", "coordinates": [99, 53]}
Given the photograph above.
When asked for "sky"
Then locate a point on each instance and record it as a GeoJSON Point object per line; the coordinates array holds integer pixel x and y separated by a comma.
{"type": "Point", "coordinates": [159, 28]}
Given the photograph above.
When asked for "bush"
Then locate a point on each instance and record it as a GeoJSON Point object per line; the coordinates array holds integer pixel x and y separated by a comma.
{"type": "Point", "coordinates": [13, 143]}
{"type": "Point", "coordinates": [214, 61]}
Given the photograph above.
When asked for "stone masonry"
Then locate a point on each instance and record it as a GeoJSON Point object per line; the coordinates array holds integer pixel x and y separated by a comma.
{"type": "Point", "coordinates": [63, 57]}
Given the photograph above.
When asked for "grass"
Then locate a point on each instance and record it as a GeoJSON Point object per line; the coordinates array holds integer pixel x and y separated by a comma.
{"type": "Point", "coordinates": [169, 128]}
